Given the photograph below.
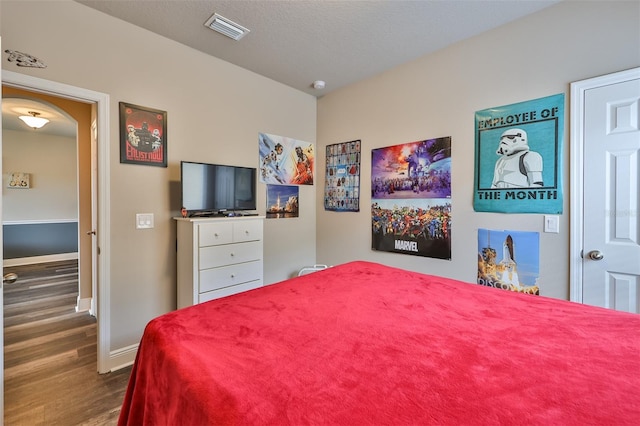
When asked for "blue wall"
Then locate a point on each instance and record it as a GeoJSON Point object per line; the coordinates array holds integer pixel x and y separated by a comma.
{"type": "Point", "coordinates": [39, 239]}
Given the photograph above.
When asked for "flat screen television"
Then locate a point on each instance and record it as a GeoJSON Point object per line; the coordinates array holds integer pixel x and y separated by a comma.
{"type": "Point", "coordinates": [216, 188]}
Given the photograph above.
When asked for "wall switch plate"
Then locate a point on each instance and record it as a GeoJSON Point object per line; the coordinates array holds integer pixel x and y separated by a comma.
{"type": "Point", "coordinates": [144, 220]}
{"type": "Point", "coordinates": [552, 224]}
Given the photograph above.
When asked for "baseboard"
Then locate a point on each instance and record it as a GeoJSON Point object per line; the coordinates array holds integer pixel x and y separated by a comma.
{"type": "Point", "coordinates": [83, 305]}
{"type": "Point", "coordinates": [123, 357]}
{"type": "Point", "coordinates": [39, 259]}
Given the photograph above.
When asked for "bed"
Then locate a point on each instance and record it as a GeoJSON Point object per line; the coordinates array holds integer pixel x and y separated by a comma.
{"type": "Point", "coordinates": [367, 344]}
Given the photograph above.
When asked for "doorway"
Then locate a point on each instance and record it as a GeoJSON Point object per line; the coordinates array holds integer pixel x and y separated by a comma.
{"type": "Point", "coordinates": [605, 152]}
{"type": "Point", "coordinates": [101, 120]}
{"type": "Point", "coordinates": [43, 222]}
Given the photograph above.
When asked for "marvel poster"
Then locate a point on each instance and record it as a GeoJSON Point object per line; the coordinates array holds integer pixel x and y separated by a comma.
{"type": "Point", "coordinates": [518, 157]}
{"type": "Point", "coordinates": [342, 182]}
{"type": "Point", "coordinates": [509, 260]}
{"type": "Point", "coordinates": [411, 198]}
{"type": "Point", "coordinates": [143, 135]}
{"type": "Point", "coordinates": [285, 161]}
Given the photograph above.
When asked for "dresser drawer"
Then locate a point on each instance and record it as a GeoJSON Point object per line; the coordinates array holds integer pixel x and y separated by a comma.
{"type": "Point", "coordinates": [229, 254]}
{"type": "Point", "coordinates": [228, 291]}
{"type": "Point", "coordinates": [225, 276]}
{"type": "Point", "coordinates": [247, 230]}
{"type": "Point", "coordinates": [210, 234]}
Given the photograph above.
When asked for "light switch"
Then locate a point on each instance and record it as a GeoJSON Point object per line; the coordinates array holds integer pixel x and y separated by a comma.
{"type": "Point", "coordinates": [552, 224]}
{"type": "Point", "coordinates": [144, 220]}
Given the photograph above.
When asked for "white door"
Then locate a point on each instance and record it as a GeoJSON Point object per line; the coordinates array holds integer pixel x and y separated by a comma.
{"type": "Point", "coordinates": [610, 253]}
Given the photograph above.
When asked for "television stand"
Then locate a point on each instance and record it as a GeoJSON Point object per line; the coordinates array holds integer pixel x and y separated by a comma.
{"type": "Point", "coordinates": [218, 257]}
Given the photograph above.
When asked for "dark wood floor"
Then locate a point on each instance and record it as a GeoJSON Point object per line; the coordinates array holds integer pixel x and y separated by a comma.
{"type": "Point", "coordinates": [50, 372]}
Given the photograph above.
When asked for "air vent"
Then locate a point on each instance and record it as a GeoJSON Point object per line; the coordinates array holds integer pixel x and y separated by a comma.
{"type": "Point", "coordinates": [225, 26]}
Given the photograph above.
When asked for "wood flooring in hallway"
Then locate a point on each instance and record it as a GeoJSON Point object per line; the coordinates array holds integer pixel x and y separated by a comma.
{"type": "Point", "coordinates": [50, 353]}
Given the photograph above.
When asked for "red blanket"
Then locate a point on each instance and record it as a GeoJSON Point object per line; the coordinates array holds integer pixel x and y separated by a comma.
{"type": "Point", "coordinates": [363, 343]}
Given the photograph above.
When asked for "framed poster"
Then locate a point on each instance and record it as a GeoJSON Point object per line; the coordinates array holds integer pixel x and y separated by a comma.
{"type": "Point", "coordinates": [143, 135]}
{"type": "Point", "coordinates": [19, 180]}
{"type": "Point", "coordinates": [518, 157]}
{"type": "Point", "coordinates": [342, 182]}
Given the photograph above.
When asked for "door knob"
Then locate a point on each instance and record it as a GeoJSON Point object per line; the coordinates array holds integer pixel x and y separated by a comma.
{"type": "Point", "coordinates": [10, 278]}
{"type": "Point", "coordinates": [596, 255]}
{"type": "Point", "coordinates": [91, 232]}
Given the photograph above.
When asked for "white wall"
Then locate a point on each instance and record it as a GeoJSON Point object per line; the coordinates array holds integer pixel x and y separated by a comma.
{"type": "Point", "coordinates": [215, 111]}
{"type": "Point", "coordinates": [438, 95]}
{"type": "Point", "coordinates": [51, 163]}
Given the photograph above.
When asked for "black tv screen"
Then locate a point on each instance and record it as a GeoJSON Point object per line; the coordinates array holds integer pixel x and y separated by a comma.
{"type": "Point", "coordinates": [217, 188]}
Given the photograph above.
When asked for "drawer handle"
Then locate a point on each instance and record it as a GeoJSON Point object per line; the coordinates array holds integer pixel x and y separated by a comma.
{"type": "Point", "coordinates": [233, 275]}
{"type": "Point", "coordinates": [232, 254]}
{"type": "Point", "coordinates": [215, 235]}
{"type": "Point", "coordinates": [246, 232]}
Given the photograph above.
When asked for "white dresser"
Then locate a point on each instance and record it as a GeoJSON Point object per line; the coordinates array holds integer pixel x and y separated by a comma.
{"type": "Point", "coordinates": [218, 257]}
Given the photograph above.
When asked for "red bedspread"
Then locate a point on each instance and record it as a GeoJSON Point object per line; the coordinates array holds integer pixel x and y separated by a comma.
{"type": "Point", "coordinates": [363, 343]}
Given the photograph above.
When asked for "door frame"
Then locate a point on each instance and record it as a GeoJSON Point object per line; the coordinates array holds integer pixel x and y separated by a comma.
{"type": "Point", "coordinates": [102, 197]}
{"type": "Point", "coordinates": [576, 238]}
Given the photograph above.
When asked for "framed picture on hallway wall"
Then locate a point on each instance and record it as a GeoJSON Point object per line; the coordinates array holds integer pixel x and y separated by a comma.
{"type": "Point", "coordinates": [143, 135]}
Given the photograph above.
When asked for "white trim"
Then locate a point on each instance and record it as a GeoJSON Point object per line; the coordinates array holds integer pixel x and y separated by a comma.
{"type": "Point", "coordinates": [84, 305]}
{"type": "Point", "coordinates": [39, 259]}
{"type": "Point", "coordinates": [1, 293]}
{"type": "Point", "coordinates": [576, 239]}
{"type": "Point", "coordinates": [123, 357]}
{"type": "Point", "coordinates": [38, 222]}
{"type": "Point", "coordinates": [104, 270]}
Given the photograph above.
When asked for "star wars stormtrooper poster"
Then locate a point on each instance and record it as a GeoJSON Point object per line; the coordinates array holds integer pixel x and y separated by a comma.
{"type": "Point", "coordinates": [411, 198]}
{"type": "Point", "coordinates": [518, 157]}
{"type": "Point", "coordinates": [509, 260]}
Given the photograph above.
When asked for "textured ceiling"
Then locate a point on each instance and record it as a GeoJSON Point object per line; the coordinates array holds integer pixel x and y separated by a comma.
{"type": "Point", "coordinates": [296, 42]}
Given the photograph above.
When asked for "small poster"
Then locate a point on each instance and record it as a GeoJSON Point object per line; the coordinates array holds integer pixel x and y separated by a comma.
{"type": "Point", "coordinates": [19, 180]}
{"type": "Point", "coordinates": [285, 161]}
{"type": "Point", "coordinates": [509, 260]}
{"type": "Point", "coordinates": [518, 157]}
{"type": "Point", "coordinates": [282, 201]}
{"type": "Point", "coordinates": [342, 183]}
{"type": "Point", "coordinates": [143, 135]}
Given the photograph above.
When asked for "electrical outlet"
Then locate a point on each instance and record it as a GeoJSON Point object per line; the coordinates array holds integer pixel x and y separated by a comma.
{"type": "Point", "coordinates": [144, 220]}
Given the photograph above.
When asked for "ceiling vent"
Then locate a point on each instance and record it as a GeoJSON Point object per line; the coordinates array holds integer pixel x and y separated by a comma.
{"type": "Point", "coordinates": [225, 26]}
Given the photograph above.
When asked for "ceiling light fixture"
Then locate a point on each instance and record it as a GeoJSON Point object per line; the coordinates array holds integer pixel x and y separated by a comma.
{"type": "Point", "coordinates": [33, 120]}
{"type": "Point", "coordinates": [225, 26]}
{"type": "Point", "coordinates": [318, 84]}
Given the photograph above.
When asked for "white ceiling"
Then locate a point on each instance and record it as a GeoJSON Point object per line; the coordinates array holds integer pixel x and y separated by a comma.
{"type": "Point", "coordinates": [296, 42]}
{"type": "Point", "coordinates": [60, 123]}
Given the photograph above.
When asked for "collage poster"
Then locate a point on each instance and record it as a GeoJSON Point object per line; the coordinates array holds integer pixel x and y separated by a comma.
{"type": "Point", "coordinates": [509, 260]}
{"type": "Point", "coordinates": [285, 161]}
{"type": "Point", "coordinates": [518, 157]}
{"type": "Point", "coordinates": [411, 198]}
{"type": "Point", "coordinates": [342, 183]}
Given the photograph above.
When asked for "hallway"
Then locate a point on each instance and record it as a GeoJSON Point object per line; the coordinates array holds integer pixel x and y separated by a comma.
{"type": "Point", "coordinates": [50, 353]}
